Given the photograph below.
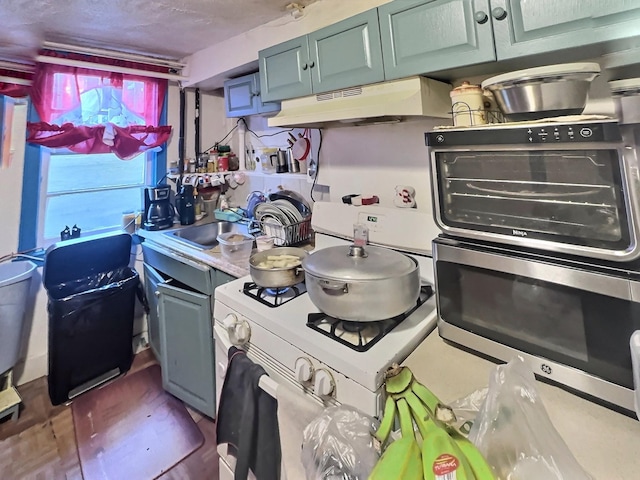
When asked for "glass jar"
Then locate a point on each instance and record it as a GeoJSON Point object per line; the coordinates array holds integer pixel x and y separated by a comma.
{"type": "Point", "coordinates": [234, 162]}
{"type": "Point", "coordinates": [223, 163]}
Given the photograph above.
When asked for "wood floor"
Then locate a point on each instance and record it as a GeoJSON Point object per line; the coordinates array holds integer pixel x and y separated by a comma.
{"type": "Point", "coordinates": [41, 445]}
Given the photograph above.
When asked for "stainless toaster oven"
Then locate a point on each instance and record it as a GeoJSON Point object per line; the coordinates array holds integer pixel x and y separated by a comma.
{"type": "Point", "coordinates": [570, 319]}
{"type": "Point", "coordinates": [564, 187]}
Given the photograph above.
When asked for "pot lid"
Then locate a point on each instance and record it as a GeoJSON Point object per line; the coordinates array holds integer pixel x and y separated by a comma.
{"type": "Point", "coordinates": [465, 87]}
{"type": "Point", "coordinates": [348, 263]}
{"type": "Point", "coordinates": [588, 69]}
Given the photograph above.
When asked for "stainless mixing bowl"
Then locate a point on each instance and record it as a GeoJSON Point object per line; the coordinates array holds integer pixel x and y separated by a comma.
{"type": "Point", "coordinates": [543, 92]}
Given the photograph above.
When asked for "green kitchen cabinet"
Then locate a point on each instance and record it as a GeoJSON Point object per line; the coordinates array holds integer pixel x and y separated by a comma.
{"type": "Point", "coordinates": [421, 36]}
{"type": "Point", "coordinates": [242, 97]}
{"type": "Point", "coordinates": [525, 27]}
{"type": "Point", "coordinates": [345, 54]}
{"type": "Point", "coordinates": [181, 291]}
{"type": "Point", "coordinates": [186, 339]}
{"type": "Point", "coordinates": [424, 36]}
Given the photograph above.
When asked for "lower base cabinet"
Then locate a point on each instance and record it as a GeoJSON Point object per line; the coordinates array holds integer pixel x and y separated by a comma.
{"type": "Point", "coordinates": [182, 302]}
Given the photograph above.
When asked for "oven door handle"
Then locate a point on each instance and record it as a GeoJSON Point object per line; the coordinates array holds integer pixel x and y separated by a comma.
{"type": "Point", "coordinates": [579, 279]}
{"type": "Point", "coordinates": [266, 383]}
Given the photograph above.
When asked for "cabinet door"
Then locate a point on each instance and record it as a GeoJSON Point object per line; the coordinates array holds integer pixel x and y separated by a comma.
{"type": "Point", "coordinates": [422, 36]}
{"type": "Point", "coordinates": [187, 347]}
{"type": "Point", "coordinates": [524, 27]}
{"type": "Point", "coordinates": [284, 70]}
{"type": "Point", "coordinates": [241, 96]}
{"type": "Point", "coordinates": [262, 106]}
{"type": "Point", "coordinates": [152, 279]}
{"type": "Point", "coordinates": [346, 54]}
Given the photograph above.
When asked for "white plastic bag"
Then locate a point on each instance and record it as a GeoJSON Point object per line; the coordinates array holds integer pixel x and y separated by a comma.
{"type": "Point", "coordinates": [338, 445]}
{"type": "Point", "coordinates": [514, 433]}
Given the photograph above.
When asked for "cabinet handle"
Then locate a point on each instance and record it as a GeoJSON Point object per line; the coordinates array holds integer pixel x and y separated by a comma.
{"type": "Point", "coordinates": [499, 13]}
{"type": "Point", "coordinates": [156, 293]}
{"type": "Point", "coordinates": [305, 66]}
{"type": "Point", "coordinates": [481, 17]}
{"type": "Point", "coordinates": [312, 64]}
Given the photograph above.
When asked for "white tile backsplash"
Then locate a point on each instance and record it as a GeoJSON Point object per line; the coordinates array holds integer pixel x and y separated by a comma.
{"type": "Point", "coordinates": [273, 183]}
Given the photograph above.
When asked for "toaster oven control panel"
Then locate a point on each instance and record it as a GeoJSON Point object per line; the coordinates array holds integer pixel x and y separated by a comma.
{"type": "Point", "coordinates": [524, 134]}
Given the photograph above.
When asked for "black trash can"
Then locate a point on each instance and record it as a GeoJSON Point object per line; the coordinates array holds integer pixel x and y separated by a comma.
{"type": "Point", "coordinates": [91, 300]}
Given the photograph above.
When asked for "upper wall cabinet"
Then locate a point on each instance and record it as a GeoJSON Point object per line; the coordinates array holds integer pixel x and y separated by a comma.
{"type": "Point", "coordinates": [421, 36]}
{"type": "Point", "coordinates": [525, 27]}
{"type": "Point", "coordinates": [342, 55]}
{"type": "Point", "coordinates": [242, 97]}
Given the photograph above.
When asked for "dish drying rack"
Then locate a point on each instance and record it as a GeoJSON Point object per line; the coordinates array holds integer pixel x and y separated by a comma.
{"type": "Point", "coordinates": [284, 235]}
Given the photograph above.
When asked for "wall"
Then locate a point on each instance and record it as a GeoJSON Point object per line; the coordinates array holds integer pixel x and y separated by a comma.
{"type": "Point", "coordinates": [11, 184]}
{"type": "Point", "coordinates": [258, 135]}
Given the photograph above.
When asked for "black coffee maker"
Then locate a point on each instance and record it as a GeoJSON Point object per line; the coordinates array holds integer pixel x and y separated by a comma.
{"type": "Point", "coordinates": [158, 211]}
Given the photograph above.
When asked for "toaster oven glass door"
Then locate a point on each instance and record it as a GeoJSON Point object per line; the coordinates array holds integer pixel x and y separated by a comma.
{"type": "Point", "coordinates": [566, 196]}
{"type": "Point", "coordinates": [575, 317]}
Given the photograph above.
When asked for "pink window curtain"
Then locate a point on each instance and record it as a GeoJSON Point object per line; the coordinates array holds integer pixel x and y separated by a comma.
{"type": "Point", "coordinates": [12, 89]}
{"type": "Point", "coordinates": [91, 111]}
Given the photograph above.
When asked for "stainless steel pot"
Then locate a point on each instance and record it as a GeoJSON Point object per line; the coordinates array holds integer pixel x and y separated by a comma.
{"type": "Point", "coordinates": [276, 277]}
{"type": "Point", "coordinates": [362, 284]}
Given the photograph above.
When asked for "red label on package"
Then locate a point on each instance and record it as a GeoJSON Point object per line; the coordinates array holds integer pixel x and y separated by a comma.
{"type": "Point", "coordinates": [444, 464]}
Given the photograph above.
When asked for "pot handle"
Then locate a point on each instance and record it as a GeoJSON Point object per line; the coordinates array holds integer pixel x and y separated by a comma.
{"type": "Point", "coordinates": [333, 288]}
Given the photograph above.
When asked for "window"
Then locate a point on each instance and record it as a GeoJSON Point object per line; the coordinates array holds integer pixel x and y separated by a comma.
{"type": "Point", "coordinates": [90, 191]}
{"type": "Point", "coordinates": [92, 147]}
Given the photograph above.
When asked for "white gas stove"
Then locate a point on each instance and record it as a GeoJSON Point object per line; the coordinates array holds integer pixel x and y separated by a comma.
{"type": "Point", "coordinates": [313, 361]}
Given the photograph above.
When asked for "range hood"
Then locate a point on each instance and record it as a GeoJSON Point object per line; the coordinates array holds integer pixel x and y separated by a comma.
{"type": "Point", "coordinates": [384, 102]}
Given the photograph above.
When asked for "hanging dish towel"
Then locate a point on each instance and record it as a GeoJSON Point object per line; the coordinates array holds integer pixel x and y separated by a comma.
{"type": "Point", "coordinates": [248, 419]}
{"type": "Point", "coordinates": [295, 412]}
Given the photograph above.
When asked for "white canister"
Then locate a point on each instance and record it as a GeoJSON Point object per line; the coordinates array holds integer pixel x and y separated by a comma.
{"type": "Point", "coordinates": [467, 105]}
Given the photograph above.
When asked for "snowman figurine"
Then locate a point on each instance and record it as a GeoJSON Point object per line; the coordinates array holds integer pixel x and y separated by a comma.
{"type": "Point", "coordinates": [404, 197]}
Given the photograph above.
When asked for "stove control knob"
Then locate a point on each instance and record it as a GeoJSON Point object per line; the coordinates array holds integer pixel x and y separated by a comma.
{"type": "Point", "coordinates": [229, 321]}
{"type": "Point", "coordinates": [323, 384]}
{"type": "Point", "coordinates": [241, 333]}
{"type": "Point", "coordinates": [304, 370]}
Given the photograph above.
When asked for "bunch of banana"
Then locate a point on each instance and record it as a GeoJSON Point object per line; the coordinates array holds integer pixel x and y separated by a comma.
{"type": "Point", "coordinates": [445, 453]}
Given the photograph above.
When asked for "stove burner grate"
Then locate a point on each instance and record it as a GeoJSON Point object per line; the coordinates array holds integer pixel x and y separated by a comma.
{"type": "Point", "coordinates": [273, 297]}
{"type": "Point", "coordinates": [361, 336]}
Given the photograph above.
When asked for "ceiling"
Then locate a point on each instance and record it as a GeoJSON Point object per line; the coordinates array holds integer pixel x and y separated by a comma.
{"type": "Point", "coordinates": [170, 29]}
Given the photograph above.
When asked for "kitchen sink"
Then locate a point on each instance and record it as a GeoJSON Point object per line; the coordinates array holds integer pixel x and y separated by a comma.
{"type": "Point", "coordinates": [204, 236]}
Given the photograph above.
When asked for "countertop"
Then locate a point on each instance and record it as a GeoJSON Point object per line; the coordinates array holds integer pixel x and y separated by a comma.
{"type": "Point", "coordinates": [606, 443]}
{"type": "Point", "coordinates": [212, 257]}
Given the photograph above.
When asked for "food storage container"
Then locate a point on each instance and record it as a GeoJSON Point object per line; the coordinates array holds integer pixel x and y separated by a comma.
{"type": "Point", "coordinates": [235, 247]}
